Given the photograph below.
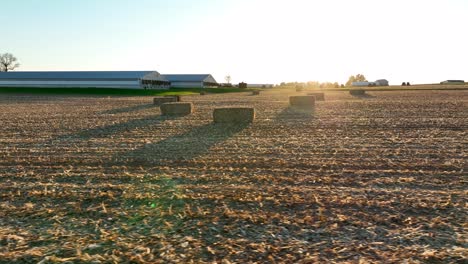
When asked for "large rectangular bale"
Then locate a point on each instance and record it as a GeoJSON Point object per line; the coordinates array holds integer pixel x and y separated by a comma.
{"type": "Point", "coordinates": [357, 92]}
{"type": "Point", "coordinates": [318, 96]}
{"type": "Point", "coordinates": [177, 108]}
{"type": "Point", "coordinates": [305, 101]}
{"type": "Point", "coordinates": [159, 100]}
{"type": "Point", "coordinates": [234, 115]}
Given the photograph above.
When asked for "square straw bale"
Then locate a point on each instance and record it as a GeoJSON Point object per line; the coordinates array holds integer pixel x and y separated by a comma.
{"type": "Point", "coordinates": [302, 102]}
{"type": "Point", "coordinates": [177, 108]}
{"type": "Point", "coordinates": [357, 92]}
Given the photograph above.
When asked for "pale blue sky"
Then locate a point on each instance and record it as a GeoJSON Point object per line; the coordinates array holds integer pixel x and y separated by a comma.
{"type": "Point", "coordinates": [257, 41]}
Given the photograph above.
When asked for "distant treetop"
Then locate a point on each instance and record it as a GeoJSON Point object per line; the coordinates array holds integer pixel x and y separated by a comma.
{"type": "Point", "coordinates": [8, 62]}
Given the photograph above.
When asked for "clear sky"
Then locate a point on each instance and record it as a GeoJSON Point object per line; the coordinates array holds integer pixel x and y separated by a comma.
{"type": "Point", "coordinates": [256, 41]}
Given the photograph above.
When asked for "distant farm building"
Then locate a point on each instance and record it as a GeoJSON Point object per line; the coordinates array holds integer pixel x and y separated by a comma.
{"type": "Point", "coordinates": [85, 79]}
{"type": "Point", "coordinates": [363, 84]}
{"type": "Point", "coordinates": [453, 82]}
{"type": "Point", "coordinates": [381, 82]}
{"type": "Point", "coordinates": [191, 80]}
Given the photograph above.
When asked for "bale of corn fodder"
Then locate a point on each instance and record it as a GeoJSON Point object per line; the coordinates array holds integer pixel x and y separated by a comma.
{"type": "Point", "coordinates": [357, 92]}
{"type": "Point", "coordinates": [234, 115]}
{"type": "Point", "coordinates": [255, 92]}
{"type": "Point", "coordinates": [159, 100]}
{"type": "Point", "coordinates": [306, 102]}
{"type": "Point", "coordinates": [318, 96]}
{"type": "Point", "coordinates": [177, 108]}
{"type": "Point", "coordinates": [177, 97]}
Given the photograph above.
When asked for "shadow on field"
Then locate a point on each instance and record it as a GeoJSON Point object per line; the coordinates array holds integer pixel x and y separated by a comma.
{"type": "Point", "coordinates": [127, 109]}
{"type": "Point", "coordinates": [363, 96]}
{"type": "Point", "coordinates": [292, 113]}
{"type": "Point", "coordinates": [30, 99]}
{"type": "Point", "coordinates": [192, 144]}
{"type": "Point", "coordinates": [105, 131]}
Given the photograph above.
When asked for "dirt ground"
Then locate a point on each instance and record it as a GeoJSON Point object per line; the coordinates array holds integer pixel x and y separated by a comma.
{"type": "Point", "coordinates": [380, 178]}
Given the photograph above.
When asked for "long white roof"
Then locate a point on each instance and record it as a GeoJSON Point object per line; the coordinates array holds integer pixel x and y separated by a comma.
{"type": "Point", "coordinates": [80, 75]}
{"type": "Point", "coordinates": [190, 78]}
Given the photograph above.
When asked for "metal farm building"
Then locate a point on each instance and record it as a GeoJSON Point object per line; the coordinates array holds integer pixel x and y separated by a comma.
{"type": "Point", "coordinates": [85, 79]}
{"type": "Point", "coordinates": [191, 80]}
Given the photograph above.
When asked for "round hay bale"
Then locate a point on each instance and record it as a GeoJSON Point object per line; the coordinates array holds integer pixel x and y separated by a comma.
{"type": "Point", "coordinates": [299, 88]}
{"type": "Point", "coordinates": [159, 100]}
{"type": "Point", "coordinates": [357, 92]}
{"type": "Point", "coordinates": [203, 93]}
{"type": "Point", "coordinates": [255, 92]}
{"type": "Point", "coordinates": [302, 102]}
{"type": "Point", "coordinates": [234, 115]}
{"type": "Point", "coordinates": [318, 96]}
{"type": "Point", "coordinates": [177, 108]}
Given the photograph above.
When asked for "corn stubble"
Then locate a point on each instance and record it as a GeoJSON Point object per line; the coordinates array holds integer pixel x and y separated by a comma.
{"type": "Point", "coordinates": [361, 180]}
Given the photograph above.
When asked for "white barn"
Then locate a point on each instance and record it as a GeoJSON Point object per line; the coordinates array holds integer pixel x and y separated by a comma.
{"type": "Point", "coordinates": [453, 82]}
{"type": "Point", "coordinates": [363, 84]}
{"type": "Point", "coordinates": [382, 82]}
{"type": "Point", "coordinates": [191, 80]}
{"type": "Point", "coordinates": [85, 79]}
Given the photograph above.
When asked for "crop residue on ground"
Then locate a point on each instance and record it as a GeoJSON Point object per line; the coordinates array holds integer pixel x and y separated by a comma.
{"type": "Point", "coordinates": [373, 179]}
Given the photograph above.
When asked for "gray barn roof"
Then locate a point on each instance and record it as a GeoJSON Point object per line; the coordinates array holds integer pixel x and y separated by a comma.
{"type": "Point", "coordinates": [189, 78]}
{"type": "Point", "coordinates": [77, 75]}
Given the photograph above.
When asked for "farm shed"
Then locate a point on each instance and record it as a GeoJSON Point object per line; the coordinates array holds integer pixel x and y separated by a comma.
{"type": "Point", "coordinates": [453, 82]}
{"type": "Point", "coordinates": [191, 80]}
{"type": "Point", "coordinates": [85, 79]}
{"type": "Point", "coordinates": [363, 84]}
{"type": "Point", "coordinates": [382, 82]}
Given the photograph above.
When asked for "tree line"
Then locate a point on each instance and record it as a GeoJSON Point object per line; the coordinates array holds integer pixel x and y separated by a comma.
{"type": "Point", "coordinates": [315, 84]}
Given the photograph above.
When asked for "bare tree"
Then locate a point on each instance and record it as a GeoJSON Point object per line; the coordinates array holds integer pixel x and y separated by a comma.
{"type": "Point", "coordinates": [357, 78]}
{"type": "Point", "coordinates": [8, 62]}
{"type": "Point", "coordinates": [228, 78]}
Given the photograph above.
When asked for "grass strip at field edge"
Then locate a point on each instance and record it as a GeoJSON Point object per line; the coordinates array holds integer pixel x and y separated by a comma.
{"type": "Point", "coordinates": [116, 91]}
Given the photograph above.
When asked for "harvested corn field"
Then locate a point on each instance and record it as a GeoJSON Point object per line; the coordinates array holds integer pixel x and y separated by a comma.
{"type": "Point", "coordinates": [373, 179]}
